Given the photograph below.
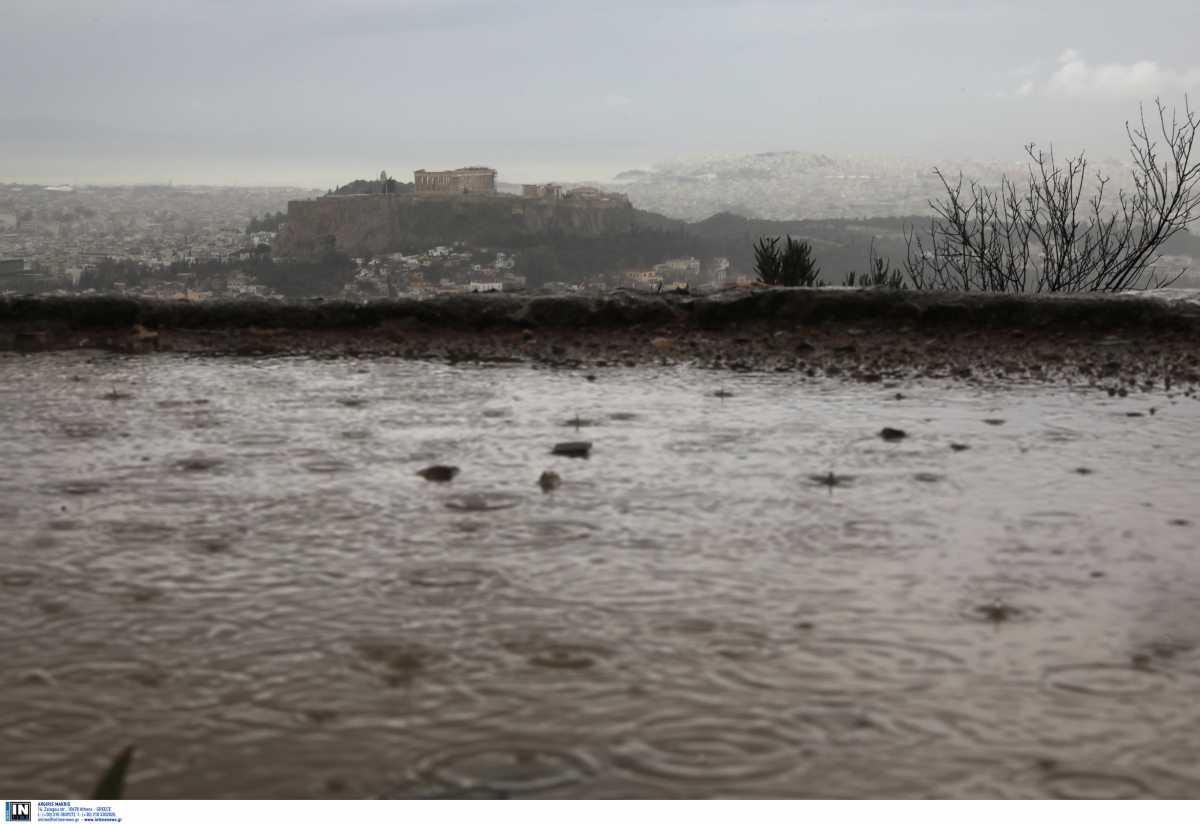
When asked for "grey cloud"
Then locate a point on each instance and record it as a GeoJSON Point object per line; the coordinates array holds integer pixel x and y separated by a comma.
{"type": "Point", "coordinates": [309, 89]}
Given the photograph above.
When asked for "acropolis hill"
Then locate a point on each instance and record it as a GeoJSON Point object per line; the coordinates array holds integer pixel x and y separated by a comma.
{"type": "Point", "coordinates": [460, 205]}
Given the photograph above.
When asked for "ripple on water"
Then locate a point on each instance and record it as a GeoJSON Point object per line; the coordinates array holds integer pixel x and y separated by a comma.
{"type": "Point", "coordinates": [106, 676]}
{"type": "Point", "coordinates": [36, 721]}
{"type": "Point", "coordinates": [545, 533]}
{"type": "Point", "coordinates": [712, 753]}
{"type": "Point", "coordinates": [213, 539]}
{"type": "Point", "coordinates": [729, 640]}
{"type": "Point", "coordinates": [65, 524]}
{"type": "Point", "coordinates": [176, 404]}
{"type": "Point", "coordinates": [85, 430]}
{"type": "Point", "coordinates": [259, 439]}
{"type": "Point", "coordinates": [558, 654]}
{"type": "Point", "coordinates": [844, 667]}
{"type": "Point", "coordinates": [328, 466]}
{"type": "Point", "coordinates": [396, 661]}
{"type": "Point", "coordinates": [1106, 679]}
{"type": "Point", "coordinates": [294, 519]}
{"type": "Point", "coordinates": [505, 769]}
{"type": "Point", "coordinates": [79, 486]}
{"type": "Point", "coordinates": [456, 577]}
{"type": "Point", "coordinates": [138, 531]}
{"type": "Point", "coordinates": [17, 579]}
{"type": "Point", "coordinates": [715, 442]}
{"type": "Point", "coordinates": [482, 501]}
{"type": "Point", "coordinates": [1094, 785]}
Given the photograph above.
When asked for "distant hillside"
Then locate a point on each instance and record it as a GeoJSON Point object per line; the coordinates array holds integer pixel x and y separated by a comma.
{"type": "Point", "coordinates": [839, 245]}
{"type": "Point", "coordinates": [794, 185]}
{"type": "Point", "coordinates": [372, 225]}
{"type": "Point", "coordinates": [842, 246]}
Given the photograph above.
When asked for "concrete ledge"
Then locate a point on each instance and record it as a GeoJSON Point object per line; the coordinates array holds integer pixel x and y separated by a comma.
{"type": "Point", "coordinates": [781, 308]}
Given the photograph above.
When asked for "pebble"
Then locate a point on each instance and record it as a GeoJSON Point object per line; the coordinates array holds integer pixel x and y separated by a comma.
{"type": "Point", "coordinates": [439, 473]}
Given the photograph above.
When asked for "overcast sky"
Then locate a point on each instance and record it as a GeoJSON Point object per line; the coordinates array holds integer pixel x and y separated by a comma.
{"type": "Point", "coordinates": [313, 92]}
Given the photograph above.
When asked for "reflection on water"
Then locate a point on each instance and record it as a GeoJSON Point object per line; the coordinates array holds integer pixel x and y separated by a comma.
{"type": "Point", "coordinates": [744, 590]}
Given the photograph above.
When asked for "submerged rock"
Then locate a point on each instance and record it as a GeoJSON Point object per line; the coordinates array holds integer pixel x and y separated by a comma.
{"type": "Point", "coordinates": [439, 473]}
{"type": "Point", "coordinates": [197, 464]}
{"type": "Point", "coordinates": [572, 449]}
{"type": "Point", "coordinates": [997, 611]}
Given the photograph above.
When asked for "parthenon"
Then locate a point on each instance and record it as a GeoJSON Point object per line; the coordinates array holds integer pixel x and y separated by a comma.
{"type": "Point", "coordinates": [467, 180]}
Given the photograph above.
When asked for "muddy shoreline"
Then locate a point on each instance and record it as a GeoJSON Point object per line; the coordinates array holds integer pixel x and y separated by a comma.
{"type": "Point", "coordinates": [1120, 342]}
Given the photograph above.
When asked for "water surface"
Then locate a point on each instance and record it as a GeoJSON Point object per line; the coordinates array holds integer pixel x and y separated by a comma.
{"type": "Point", "coordinates": [233, 565]}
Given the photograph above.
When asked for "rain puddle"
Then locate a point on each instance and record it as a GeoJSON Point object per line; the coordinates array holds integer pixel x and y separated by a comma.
{"type": "Point", "coordinates": [747, 589]}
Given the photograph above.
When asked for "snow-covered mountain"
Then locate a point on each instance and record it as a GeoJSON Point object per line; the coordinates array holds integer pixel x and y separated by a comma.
{"type": "Point", "coordinates": [796, 185]}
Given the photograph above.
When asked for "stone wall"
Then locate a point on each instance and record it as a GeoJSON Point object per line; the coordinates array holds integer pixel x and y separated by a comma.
{"type": "Point", "coordinates": [363, 225]}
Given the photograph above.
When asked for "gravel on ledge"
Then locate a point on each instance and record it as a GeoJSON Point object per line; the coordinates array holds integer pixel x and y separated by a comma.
{"type": "Point", "coordinates": [1117, 342]}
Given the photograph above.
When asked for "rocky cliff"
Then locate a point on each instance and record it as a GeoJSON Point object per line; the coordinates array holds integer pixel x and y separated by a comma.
{"type": "Point", "coordinates": [360, 225]}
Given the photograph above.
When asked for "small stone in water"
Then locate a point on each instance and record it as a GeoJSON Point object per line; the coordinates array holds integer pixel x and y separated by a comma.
{"type": "Point", "coordinates": [890, 434]}
{"type": "Point", "coordinates": [997, 611]}
{"type": "Point", "coordinates": [572, 449]}
{"type": "Point", "coordinates": [438, 473]}
{"type": "Point", "coordinates": [549, 481]}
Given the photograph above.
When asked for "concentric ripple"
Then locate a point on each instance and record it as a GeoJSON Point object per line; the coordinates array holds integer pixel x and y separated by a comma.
{"type": "Point", "coordinates": [1105, 679]}
{"type": "Point", "coordinates": [506, 770]}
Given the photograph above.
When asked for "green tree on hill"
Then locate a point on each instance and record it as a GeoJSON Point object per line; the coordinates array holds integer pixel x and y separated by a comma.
{"type": "Point", "coordinates": [793, 265]}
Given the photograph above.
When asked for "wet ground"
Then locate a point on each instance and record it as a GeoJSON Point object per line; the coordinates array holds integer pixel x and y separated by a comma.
{"type": "Point", "coordinates": [745, 590]}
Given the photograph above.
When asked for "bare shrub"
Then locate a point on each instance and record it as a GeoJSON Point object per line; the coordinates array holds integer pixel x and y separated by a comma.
{"type": "Point", "coordinates": [1057, 234]}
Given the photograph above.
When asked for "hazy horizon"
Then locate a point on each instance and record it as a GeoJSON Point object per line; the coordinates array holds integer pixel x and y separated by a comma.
{"type": "Point", "coordinates": [209, 92]}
